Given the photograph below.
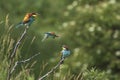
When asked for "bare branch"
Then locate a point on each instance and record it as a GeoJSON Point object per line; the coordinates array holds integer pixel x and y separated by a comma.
{"type": "Point", "coordinates": [16, 63]}
{"type": "Point", "coordinates": [53, 69]}
{"type": "Point", "coordinates": [12, 55]}
{"type": "Point", "coordinates": [18, 43]}
{"type": "Point", "coordinates": [23, 61]}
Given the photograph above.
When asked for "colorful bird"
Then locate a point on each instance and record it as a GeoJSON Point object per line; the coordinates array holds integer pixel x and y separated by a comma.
{"type": "Point", "coordinates": [49, 34]}
{"type": "Point", "coordinates": [28, 19]}
{"type": "Point", "coordinates": [65, 52]}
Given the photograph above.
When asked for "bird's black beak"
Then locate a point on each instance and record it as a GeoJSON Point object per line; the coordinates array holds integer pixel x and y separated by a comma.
{"type": "Point", "coordinates": [37, 13]}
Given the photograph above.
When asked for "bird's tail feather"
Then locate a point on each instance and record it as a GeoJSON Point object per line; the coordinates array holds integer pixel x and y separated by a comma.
{"type": "Point", "coordinates": [19, 24]}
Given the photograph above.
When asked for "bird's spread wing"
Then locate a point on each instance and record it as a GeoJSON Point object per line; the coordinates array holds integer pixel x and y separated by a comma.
{"type": "Point", "coordinates": [45, 37]}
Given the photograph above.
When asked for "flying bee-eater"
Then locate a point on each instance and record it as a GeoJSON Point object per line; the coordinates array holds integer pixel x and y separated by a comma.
{"type": "Point", "coordinates": [49, 34]}
{"type": "Point", "coordinates": [28, 19]}
{"type": "Point", "coordinates": [65, 52]}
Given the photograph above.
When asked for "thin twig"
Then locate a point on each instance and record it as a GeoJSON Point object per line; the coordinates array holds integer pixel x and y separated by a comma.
{"type": "Point", "coordinates": [23, 61]}
{"type": "Point", "coordinates": [52, 70]}
{"type": "Point", "coordinates": [12, 56]}
{"type": "Point", "coordinates": [16, 63]}
{"type": "Point", "coordinates": [18, 43]}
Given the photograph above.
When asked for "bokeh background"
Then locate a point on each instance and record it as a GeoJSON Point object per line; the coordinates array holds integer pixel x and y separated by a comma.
{"type": "Point", "coordinates": [91, 29]}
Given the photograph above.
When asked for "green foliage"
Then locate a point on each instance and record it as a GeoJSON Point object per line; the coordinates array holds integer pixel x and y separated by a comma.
{"type": "Point", "coordinates": [90, 27]}
{"type": "Point", "coordinates": [95, 75]}
{"type": "Point", "coordinates": [6, 44]}
{"type": "Point", "coordinates": [3, 69]}
{"type": "Point", "coordinates": [94, 30]}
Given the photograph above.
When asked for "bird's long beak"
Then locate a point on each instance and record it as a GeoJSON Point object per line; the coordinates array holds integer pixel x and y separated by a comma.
{"type": "Point", "coordinates": [63, 48]}
{"type": "Point", "coordinates": [36, 14]}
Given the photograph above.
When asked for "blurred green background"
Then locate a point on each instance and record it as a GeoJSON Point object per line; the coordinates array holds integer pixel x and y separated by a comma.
{"type": "Point", "coordinates": [91, 29]}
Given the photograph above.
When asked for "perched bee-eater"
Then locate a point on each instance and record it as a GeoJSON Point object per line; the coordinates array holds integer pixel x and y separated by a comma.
{"type": "Point", "coordinates": [65, 52]}
{"type": "Point", "coordinates": [28, 19]}
{"type": "Point", "coordinates": [49, 34]}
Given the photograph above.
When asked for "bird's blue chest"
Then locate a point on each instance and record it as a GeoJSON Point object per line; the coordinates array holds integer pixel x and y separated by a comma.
{"type": "Point", "coordinates": [65, 53]}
